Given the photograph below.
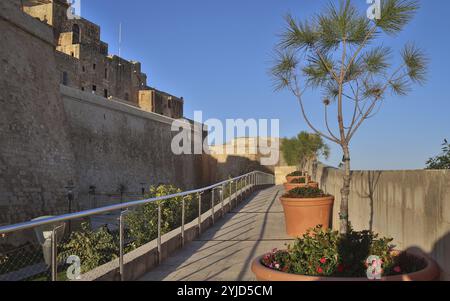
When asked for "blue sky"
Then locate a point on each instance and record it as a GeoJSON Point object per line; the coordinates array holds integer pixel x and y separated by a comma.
{"type": "Point", "coordinates": [216, 53]}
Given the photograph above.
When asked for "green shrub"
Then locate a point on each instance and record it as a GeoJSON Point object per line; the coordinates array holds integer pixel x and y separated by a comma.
{"type": "Point", "coordinates": [327, 253]}
{"type": "Point", "coordinates": [305, 192]}
{"type": "Point", "coordinates": [94, 248]}
{"type": "Point", "coordinates": [299, 181]}
{"type": "Point", "coordinates": [296, 174]}
{"type": "Point", "coordinates": [142, 223]}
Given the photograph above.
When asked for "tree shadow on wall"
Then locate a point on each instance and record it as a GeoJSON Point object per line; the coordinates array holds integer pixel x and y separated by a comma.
{"type": "Point", "coordinates": [441, 253]}
{"type": "Point", "coordinates": [324, 176]}
{"type": "Point", "coordinates": [373, 178]}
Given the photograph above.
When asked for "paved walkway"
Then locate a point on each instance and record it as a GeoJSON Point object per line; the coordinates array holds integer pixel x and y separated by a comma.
{"type": "Point", "coordinates": [226, 251]}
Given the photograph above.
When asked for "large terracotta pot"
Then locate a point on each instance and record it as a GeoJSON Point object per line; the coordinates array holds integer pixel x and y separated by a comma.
{"type": "Point", "coordinates": [289, 186]}
{"type": "Point", "coordinates": [290, 179]}
{"type": "Point", "coordinates": [430, 273]}
{"type": "Point", "coordinates": [303, 214]}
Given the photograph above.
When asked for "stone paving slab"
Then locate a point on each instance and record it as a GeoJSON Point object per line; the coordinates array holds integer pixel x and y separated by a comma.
{"type": "Point", "coordinates": [226, 250]}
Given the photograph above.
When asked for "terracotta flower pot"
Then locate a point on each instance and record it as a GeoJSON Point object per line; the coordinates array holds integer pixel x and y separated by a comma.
{"type": "Point", "coordinates": [289, 186]}
{"type": "Point", "coordinates": [303, 214]}
{"type": "Point", "coordinates": [430, 273]}
{"type": "Point", "coordinates": [290, 179]}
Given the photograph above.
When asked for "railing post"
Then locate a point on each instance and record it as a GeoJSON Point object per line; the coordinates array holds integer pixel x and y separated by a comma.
{"type": "Point", "coordinates": [121, 245]}
{"type": "Point", "coordinates": [253, 181]}
{"type": "Point", "coordinates": [222, 191]}
{"type": "Point", "coordinates": [159, 233]}
{"type": "Point", "coordinates": [212, 204]}
{"type": "Point", "coordinates": [246, 183]}
{"type": "Point", "coordinates": [241, 189]}
{"type": "Point", "coordinates": [183, 209]}
{"type": "Point", "coordinates": [231, 195]}
{"type": "Point", "coordinates": [54, 263]}
{"type": "Point", "coordinates": [199, 214]}
{"type": "Point", "coordinates": [237, 194]}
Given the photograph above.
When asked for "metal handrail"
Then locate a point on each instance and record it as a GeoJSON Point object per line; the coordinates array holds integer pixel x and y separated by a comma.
{"type": "Point", "coordinates": [91, 212]}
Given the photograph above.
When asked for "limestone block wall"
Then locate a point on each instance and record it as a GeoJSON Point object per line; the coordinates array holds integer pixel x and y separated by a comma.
{"type": "Point", "coordinates": [36, 158]}
{"type": "Point", "coordinates": [117, 144]}
{"type": "Point", "coordinates": [411, 206]}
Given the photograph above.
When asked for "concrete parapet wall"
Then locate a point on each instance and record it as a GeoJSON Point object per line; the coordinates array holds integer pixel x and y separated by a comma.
{"type": "Point", "coordinates": [411, 206]}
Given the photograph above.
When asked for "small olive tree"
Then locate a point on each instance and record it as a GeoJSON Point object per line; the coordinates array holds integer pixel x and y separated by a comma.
{"type": "Point", "coordinates": [303, 148]}
{"type": "Point", "coordinates": [336, 52]}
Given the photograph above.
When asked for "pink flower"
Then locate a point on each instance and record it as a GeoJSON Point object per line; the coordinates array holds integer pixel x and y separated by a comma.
{"type": "Point", "coordinates": [319, 270]}
{"type": "Point", "coordinates": [398, 269]}
{"type": "Point", "coordinates": [323, 260]}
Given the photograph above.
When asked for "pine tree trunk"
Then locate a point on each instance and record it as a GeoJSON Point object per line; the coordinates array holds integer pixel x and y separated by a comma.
{"type": "Point", "coordinates": [345, 192]}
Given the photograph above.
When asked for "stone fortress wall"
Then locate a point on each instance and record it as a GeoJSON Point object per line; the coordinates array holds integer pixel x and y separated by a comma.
{"type": "Point", "coordinates": [52, 135]}
{"type": "Point", "coordinates": [36, 157]}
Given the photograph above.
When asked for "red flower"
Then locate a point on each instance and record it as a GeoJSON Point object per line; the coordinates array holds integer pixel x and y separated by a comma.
{"type": "Point", "coordinates": [340, 268]}
{"type": "Point", "coordinates": [323, 260]}
{"type": "Point", "coordinates": [319, 270]}
{"type": "Point", "coordinates": [398, 269]}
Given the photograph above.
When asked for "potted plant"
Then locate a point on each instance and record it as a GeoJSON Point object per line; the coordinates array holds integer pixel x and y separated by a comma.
{"type": "Point", "coordinates": [297, 175]}
{"type": "Point", "coordinates": [326, 255]}
{"type": "Point", "coordinates": [298, 183]}
{"type": "Point", "coordinates": [305, 208]}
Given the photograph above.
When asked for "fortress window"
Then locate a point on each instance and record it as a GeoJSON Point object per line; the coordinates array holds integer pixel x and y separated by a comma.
{"type": "Point", "coordinates": [84, 69]}
{"type": "Point", "coordinates": [65, 79]}
{"type": "Point", "coordinates": [94, 66]}
{"type": "Point", "coordinates": [106, 73]}
{"type": "Point", "coordinates": [94, 88]}
{"type": "Point", "coordinates": [72, 54]}
{"type": "Point", "coordinates": [82, 88]}
{"type": "Point", "coordinates": [76, 34]}
{"type": "Point", "coordinates": [127, 97]}
{"type": "Point", "coordinates": [105, 93]}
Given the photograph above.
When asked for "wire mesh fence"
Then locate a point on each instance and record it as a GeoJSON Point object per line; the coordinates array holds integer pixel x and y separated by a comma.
{"type": "Point", "coordinates": [23, 263]}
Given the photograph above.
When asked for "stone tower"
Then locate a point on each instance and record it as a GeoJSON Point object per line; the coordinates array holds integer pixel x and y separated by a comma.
{"type": "Point", "coordinates": [83, 62]}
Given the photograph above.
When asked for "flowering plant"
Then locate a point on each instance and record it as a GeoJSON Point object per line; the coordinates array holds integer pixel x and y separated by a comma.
{"type": "Point", "coordinates": [327, 253]}
{"type": "Point", "coordinates": [296, 174]}
{"type": "Point", "coordinates": [299, 181]}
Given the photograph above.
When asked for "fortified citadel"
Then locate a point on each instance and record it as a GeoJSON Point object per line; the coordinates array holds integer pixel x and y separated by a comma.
{"type": "Point", "coordinates": [81, 129]}
{"type": "Point", "coordinates": [83, 62]}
